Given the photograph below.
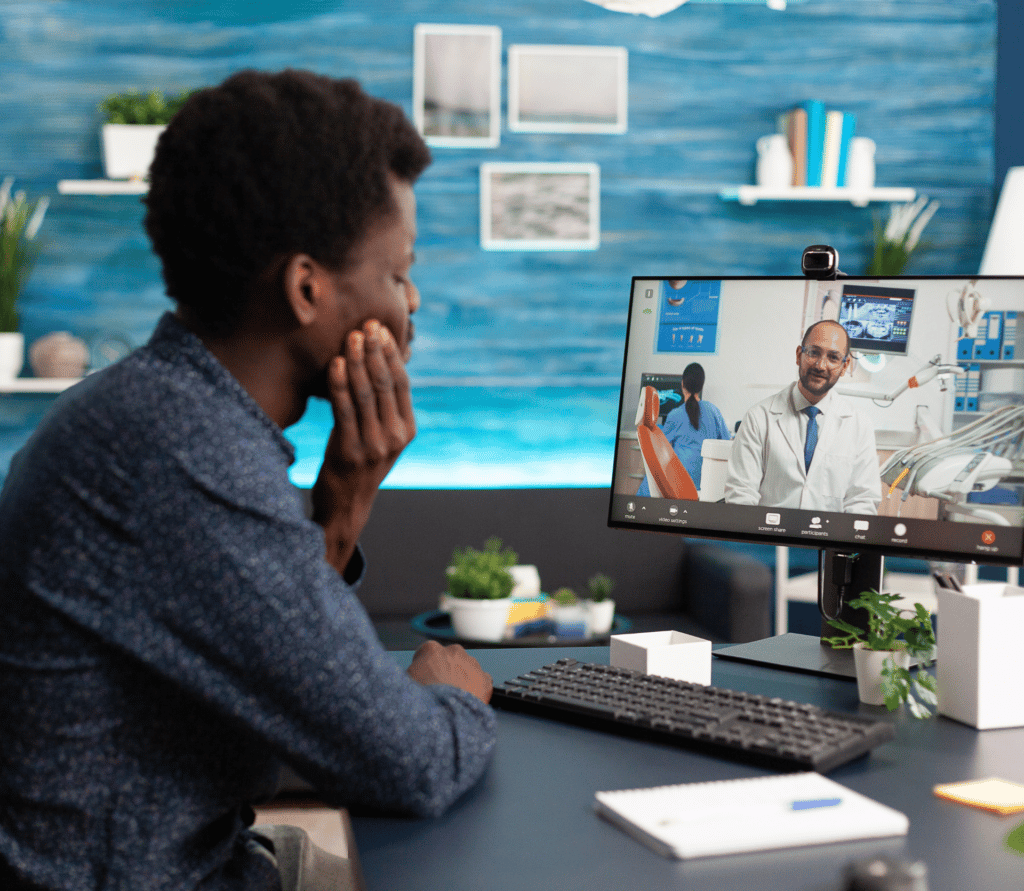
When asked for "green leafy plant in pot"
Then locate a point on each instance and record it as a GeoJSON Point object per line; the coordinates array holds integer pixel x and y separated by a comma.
{"type": "Point", "coordinates": [899, 634]}
{"type": "Point", "coordinates": [132, 124]}
{"type": "Point", "coordinates": [20, 220]}
{"type": "Point", "coordinates": [569, 614]}
{"type": "Point", "coordinates": [479, 590]}
{"type": "Point", "coordinates": [600, 606]}
{"type": "Point", "coordinates": [136, 107]}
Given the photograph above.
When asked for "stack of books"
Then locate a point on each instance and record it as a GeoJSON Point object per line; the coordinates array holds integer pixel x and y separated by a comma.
{"type": "Point", "coordinates": [819, 140]}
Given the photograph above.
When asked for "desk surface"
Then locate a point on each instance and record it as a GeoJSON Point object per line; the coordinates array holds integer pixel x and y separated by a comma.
{"type": "Point", "coordinates": [530, 824]}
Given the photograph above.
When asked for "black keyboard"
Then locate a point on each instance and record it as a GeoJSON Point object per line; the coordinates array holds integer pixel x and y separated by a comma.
{"type": "Point", "coordinates": [740, 726]}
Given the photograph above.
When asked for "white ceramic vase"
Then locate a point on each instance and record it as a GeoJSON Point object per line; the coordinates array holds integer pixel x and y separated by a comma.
{"type": "Point", "coordinates": [868, 664]}
{"type": "Point", "coordinates": [479, 619]}
{"type": "Point", "coordinates": [774, 162]}
{"type": "Point", "coordinates": [12, 354]}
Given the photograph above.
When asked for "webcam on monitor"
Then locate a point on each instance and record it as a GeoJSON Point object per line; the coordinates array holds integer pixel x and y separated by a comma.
{"type": "Point", "coordinates": [820, 261]}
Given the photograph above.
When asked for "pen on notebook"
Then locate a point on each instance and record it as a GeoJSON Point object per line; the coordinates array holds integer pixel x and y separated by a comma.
{"type": "Point", "coordinates": [810, 803]}
{"type": "Point", "coordinates": [757, 809]}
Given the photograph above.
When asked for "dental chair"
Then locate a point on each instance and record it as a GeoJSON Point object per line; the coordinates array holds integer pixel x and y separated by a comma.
{"type": "Point", "coordinates": [666, 476]}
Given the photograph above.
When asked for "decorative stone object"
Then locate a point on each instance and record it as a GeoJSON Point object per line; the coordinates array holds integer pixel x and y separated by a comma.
{"type": "Point", "coordinates": [59, 355]}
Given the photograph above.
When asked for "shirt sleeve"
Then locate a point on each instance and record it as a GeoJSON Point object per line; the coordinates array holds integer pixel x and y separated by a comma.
{"type": "Point", "coordinates": [722, 431]}
{"type": "Point", "coordinates": [288, 645]}
{"type": "Point", "coordinates": [230, 598]}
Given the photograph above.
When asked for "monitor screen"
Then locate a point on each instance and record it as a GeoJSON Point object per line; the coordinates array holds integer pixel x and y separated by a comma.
{"type": "Point", "coordinates": [877, 415]}
{"type": "Point", "coordinates": [877, 319]}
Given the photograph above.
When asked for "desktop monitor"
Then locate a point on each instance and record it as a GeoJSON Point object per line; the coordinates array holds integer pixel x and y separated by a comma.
{"type": "Point", "coordinates": [920, 450]}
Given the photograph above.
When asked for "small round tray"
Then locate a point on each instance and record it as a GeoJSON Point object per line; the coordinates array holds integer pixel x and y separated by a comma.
{"type": "Point", "coordinates": [437, 625]}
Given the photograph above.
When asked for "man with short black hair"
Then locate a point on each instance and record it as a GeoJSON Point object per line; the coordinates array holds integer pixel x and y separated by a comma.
{"type": "Point", "coordinates": [806, 446]}
{"type": "Point", "coordinates": [173, 628]}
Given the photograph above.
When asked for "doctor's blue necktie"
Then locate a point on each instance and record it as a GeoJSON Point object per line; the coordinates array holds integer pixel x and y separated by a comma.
{"type": "Point", "coordinates": [812, 413]}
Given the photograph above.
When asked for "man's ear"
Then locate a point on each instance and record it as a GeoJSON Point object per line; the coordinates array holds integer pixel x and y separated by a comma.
{"type": "Point", "coordinates": [303, 287]}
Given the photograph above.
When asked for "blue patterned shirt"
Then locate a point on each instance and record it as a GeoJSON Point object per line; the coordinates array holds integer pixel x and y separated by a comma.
{"type": "Point", "coordinates": [170, 633]}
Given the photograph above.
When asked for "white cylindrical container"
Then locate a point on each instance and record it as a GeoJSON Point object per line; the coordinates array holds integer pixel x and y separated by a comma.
{"type": "Point", "coordinates": [860, 165]}
{"type": "Point", "coordinates": [774, 162]}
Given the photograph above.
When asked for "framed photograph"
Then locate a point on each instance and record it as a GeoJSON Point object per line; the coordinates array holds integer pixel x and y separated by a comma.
{"type": "Point", "coordinates": [567, 89]}
{"type": "Point", "coordinates": [456, 98]}
{"type": "Point", "coordinates": [540, 207]}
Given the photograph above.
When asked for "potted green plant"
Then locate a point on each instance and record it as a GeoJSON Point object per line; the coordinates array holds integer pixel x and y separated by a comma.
{"type": "Point", "coordinates": [599, 605]}
{"type": "Point", "coordinates": [479, 590]}
{"type": "Point", "coordinates": [882, 653]}
{"type": "Point", "coordinates": [132, 124]}
{"type": "Point", "coordinates": [568, 614]}
{"type": "Point", "coordinates": [19, 224]}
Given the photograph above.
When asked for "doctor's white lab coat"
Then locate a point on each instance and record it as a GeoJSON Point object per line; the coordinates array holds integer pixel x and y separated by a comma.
{"type": "Point", "coordinates": [766, 464]}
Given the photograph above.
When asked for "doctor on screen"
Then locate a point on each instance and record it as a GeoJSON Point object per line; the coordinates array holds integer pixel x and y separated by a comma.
{"type": "Point", "coordinates": [806, 446]}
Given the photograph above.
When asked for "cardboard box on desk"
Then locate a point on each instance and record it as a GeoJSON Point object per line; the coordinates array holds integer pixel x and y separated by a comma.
{"type": "Point", "coordinates": [980, 667]}
{"type": "Point", "coordinates": [670, 654]}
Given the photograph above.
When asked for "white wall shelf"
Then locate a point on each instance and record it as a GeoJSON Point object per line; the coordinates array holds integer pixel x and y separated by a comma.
{"type": "Point", "coordinates": [858, 197]}
{"type": "Point", "coordinates": [37, 384]}
{"type": "Point", "coordinates": [102, 187]}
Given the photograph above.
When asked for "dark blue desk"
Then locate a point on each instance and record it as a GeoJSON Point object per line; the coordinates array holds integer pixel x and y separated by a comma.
{"type": "Point", "coordinates": [530, 823]}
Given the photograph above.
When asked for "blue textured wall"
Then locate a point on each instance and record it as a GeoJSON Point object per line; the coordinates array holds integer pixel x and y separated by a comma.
{"type": "Point", "coordinates": [705, 81]}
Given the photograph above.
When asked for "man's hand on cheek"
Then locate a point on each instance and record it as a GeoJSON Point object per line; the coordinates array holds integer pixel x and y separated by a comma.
{"type": "Point", "coordinates": [373, 423]}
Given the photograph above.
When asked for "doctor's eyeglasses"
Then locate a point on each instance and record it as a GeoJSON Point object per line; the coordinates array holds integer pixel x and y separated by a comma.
{"type": "Point", "coordinates": [832, 358]}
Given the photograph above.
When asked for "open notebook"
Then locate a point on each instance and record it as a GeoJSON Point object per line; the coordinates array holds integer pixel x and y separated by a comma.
{"type": "Point", "coordinates": [753, 814]}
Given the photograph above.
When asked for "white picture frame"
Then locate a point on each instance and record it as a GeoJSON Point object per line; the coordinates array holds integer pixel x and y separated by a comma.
{"type": "Point", "coordinates": [567, 89]}
{"type": "Point", "coordinates": [457, 85]}
{"type": "Point", "coordinates": [540, 206]}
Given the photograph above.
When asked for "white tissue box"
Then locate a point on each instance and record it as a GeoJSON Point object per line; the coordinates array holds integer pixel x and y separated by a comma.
{"type": "Point", "coordinates": [980, 667]}
{"type": "Point", "coordinates": [670, 654]}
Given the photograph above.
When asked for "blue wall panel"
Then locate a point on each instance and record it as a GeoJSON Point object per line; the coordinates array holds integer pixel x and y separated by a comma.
{"type": "Point", "coordinates": [705, 82]}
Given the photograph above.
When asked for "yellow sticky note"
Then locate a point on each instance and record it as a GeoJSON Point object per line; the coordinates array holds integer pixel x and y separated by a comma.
{"type": "Point", "coordinates": [992, 794]}
{"type": "Point", "coordinates": [527, 610]}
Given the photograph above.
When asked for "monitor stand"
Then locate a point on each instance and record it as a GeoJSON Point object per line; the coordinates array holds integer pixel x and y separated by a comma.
{"type": "Point", "coordinates": [841, 578]}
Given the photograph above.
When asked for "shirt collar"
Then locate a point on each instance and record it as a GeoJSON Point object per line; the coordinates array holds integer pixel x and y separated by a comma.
{"type": "Point", "coordinates": [800, 402]}
{"type": "Point", "coordinates": [174, 343]}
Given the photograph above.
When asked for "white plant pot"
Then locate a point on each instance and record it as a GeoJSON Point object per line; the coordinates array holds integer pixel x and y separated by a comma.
{"type": "Point", "coordinates": [12, 354]}
{"type": "Point", "coordinates": [600, 617]}
{"type": "Point", "coordinates": [479, 619]}
{"type": "Point", "coordinates": [869, 671]}
{"type": "Point", "coordinates": [128, 149]}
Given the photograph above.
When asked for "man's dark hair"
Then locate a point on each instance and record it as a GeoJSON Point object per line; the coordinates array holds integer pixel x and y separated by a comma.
{"type": "Point", "coordinates": [265, 166]}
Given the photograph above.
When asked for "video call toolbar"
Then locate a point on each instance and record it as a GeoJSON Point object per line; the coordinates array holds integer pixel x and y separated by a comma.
{"type": "Point", "coordinates": [820, 529]}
